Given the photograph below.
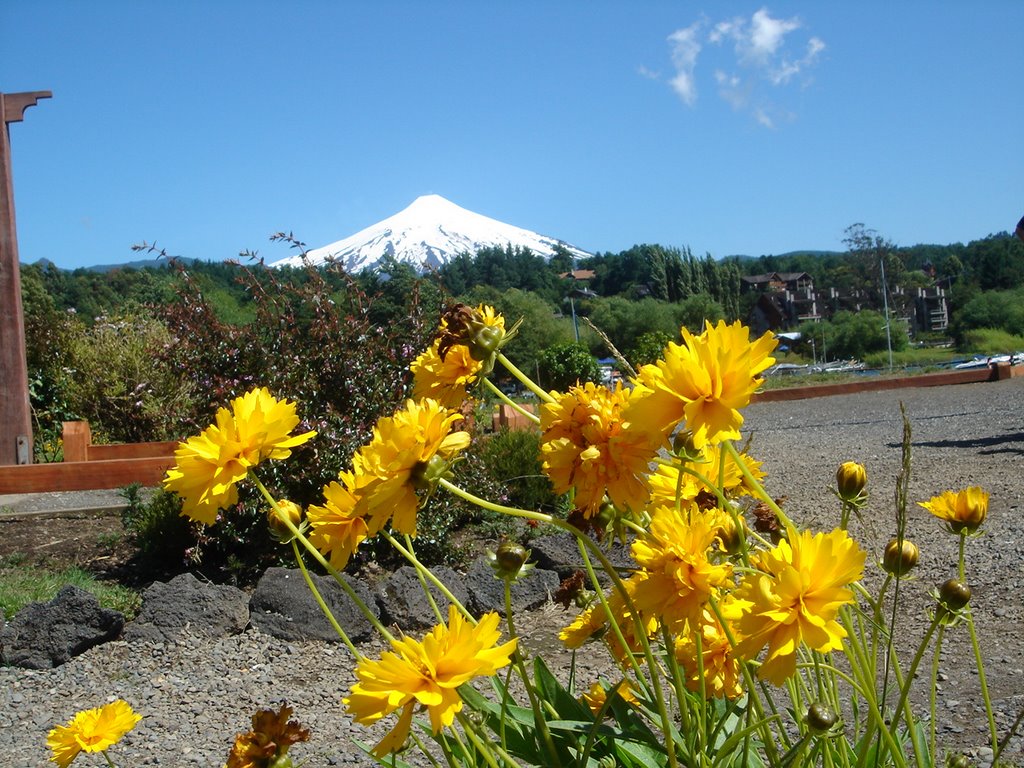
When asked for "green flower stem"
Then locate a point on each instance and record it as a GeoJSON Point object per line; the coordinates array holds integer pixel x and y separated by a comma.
{"type": "Point", "coordinates": [755, 484]}
{"type": "Point", "coordinates": [962, 568]}
{"type": "Point", "coordinates": [748, 678]}
{"type": "Point", "coordinates": [517, 660]}
{"type": "Point", "coordinates": [993, 733]}
{"type": "Point", "coordinates": [423, 584]}
{"type": "Point", "coordinates": [308, 546]}
{"type": "Point", "coordinates": [680, 688]}
{"type": "Point", "coordinates": [509, 401]}
{"type": "Point", "coordinates": [107, 758]}
{"type": "Point", "coordinates": [1008, 736]}
{"type": "Point", "coordinates": [932, 689]}
{"type": "Point", "coordinates": [323, 605]}
{"type": "Point", "coordinates": [524, 379]}
{"type": "Point", "coordinates": [586, 541]}
{"type": "Point", "coordinates": [865, 675]}
{"type": "Point", "coordinates": [486, 748]}
{"type": "Point", "coordinates": [426, 572]}
{"type": "Point", "coordinates": [908, 681]}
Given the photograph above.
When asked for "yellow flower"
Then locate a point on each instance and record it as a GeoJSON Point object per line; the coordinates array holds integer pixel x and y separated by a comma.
{"type": "Point", "coordinates": [269, 740]}
{"type": "Point", "coordinates": [209, 466]}
{"type": "Point", "coordinates": [963, 511]}
{"type": "Point", "coordinates": [721, 667]}
{"type": "Point", "coordinates": [683, 562]}
{"type": "Point", "coordinates": [597, 695]}
{"type": "Point", "coordinates": [588, 446]}
{"type": "Point", "coordinates": [593, 622]}
{"type": "Point", "coordinates": [407, 452]}
{"type": "Point", "coordinates": [705, 381]}
{"type": "Point", "coordinates": [802, 584]}
{"type": "Point", "coordinates": [665, 480]}
{"type": "Point", "coordinates": [91, 730]}
{"type": "Point", "coordinates": [426, 673]}
{"type": "Point", "coordinates": [337, 528]}
{"type": "Point", "coordinates": [446, 378]}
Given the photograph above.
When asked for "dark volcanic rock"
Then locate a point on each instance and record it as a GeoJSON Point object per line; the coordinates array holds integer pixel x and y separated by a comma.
{"type": "Point", "coordinates": [185, 604]}
{"type": "Point", "coordinates": [283, 606]}
{"type": "Point", "coordinates": [404, 603]}
{"type": "Point", "coordinates": [46, 635]}
{"type": "Point", "coordinates": [487, 593]}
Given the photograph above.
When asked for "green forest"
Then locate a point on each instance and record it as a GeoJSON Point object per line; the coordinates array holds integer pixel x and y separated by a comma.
{"type": "Point", "coordinates": [150, 352]}
{"type": "Point", "coordinates": [93, 334]}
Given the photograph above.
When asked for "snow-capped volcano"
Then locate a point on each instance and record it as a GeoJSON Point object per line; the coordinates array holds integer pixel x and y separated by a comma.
{"type": "Point", "coordinates": [428, 233]}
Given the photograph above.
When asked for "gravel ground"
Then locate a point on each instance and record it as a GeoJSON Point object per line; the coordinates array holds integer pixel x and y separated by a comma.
{"type": "Point", "coordinates": [196, 694]}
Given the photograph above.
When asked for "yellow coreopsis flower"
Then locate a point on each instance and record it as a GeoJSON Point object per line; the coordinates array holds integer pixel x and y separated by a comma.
{"type": "Point", "coordinates": [91, 730]}
{"type": "Point", "coordinates": [407, 452]}
{"type": "Point", "coordinates": [444, 378]}
{"type": "Point", "coordinates": [963, 511]}
{"type": "Point", "coordinates": [428, 674]}
{"type": "Point", "coordinates": [682, 558]}
{"type": "Point", "coordinates": [593, 622]}
{"type": "Point", "coordinates": [666, 484]}
{"type": "Point", "coordinates": [723, 677]}
{"type": "Point", "coordinates": [256, 428]}
{"type": "Point", "coordinates": [588, 446]}
{"type": "Point", "coordinates": [597, 695]}
{"type": "Point", "coordinates": [337, 527]}
{"type": "Point", "coordinates": [794, 599]}
{"type": "Point", "coordinates": [703, 382]}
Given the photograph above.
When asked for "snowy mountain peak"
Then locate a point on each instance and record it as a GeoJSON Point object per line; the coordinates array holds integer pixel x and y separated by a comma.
{"type": "Point", "coordinates": [430, 232]}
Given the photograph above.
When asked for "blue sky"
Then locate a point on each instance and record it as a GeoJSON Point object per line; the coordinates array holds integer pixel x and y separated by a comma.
{"type": "Point", "coordinates": [728, 127]}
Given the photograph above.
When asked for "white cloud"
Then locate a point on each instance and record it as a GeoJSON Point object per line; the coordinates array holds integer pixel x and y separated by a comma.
{"type": "Point", "coordinates": [766, 35]}
{"type": "Point", "coordinates": [766, 55]}
{"type": "Point", "coordinates": [685, 47]}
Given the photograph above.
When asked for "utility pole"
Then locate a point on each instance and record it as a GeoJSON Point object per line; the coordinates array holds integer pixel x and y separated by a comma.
{"type": "Point", "coordinates": [885, 303]}
{"type": "Point", "coordinates": [15, 412]}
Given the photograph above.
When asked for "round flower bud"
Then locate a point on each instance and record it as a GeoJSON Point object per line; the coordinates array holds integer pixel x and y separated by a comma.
{"type": "Point", "coordinates": [509, 562]}
{"type": "Point", "coordinates": [954, 594]}
{"type": "Point", "coordinates": [958, 761]}
{"type": "Point", "coordinates": [683, 447]}
{"type": "Point", "coordinates": [285, 509]}
{"type": "Point", "coordinates": [851, 478]}
{"type": "Point", "coordinates": [821, 717]}
{"type": "Point", "coordinates": [900, 557]}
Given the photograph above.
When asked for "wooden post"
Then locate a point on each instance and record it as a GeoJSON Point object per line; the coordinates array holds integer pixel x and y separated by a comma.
{"type": "Point", "coordinates": [76, 440]}
{"type": "Point", "coordinates": [15, 412]}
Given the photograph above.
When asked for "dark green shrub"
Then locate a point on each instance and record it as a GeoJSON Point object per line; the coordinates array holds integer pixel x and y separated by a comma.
{"type": "Point", "coordinates": [564, 365]}
{"type": "Point", "coordinates": [512, 459]}
{"type": "Point", "coordinates": [156, 528]}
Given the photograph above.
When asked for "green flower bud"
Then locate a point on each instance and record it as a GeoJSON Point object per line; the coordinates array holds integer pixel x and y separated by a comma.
{"type": "Point", "coordinates": [275, 519]}
{"type": "Point", "coordinates": [426, 475]}
{"type": "Point", "coordinates": [509, 562]}
{"type": "Point", "coordinates": [821, 717]}
{"type": "Point", "coordinates": [900, 557]}
{"type": "Point", "coordinates": [954, 595]}
{"type": "Point", "coordinates": [851, 479]}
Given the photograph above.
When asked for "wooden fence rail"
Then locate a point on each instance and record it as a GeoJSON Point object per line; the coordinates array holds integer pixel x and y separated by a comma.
{"type": "Point", "coordinates": [88, 467]}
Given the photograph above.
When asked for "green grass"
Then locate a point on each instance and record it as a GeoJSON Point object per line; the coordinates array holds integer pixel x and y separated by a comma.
{"type": "Point", "coordinates": [23, 584]}
{"type": "Point", "coordinates": [918, 357]}
{"type": "Point", "coordinates": [992, 341]}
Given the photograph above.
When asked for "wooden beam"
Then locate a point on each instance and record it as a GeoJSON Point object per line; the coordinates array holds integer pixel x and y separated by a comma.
{"type": "Point", "coordinates": [15, 411]}
{"type": "Point", "coordinates": [84, 475]}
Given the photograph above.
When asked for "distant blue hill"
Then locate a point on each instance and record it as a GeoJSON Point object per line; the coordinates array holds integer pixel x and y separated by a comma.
{"type": "Point", "coordinates": [139, 264]}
